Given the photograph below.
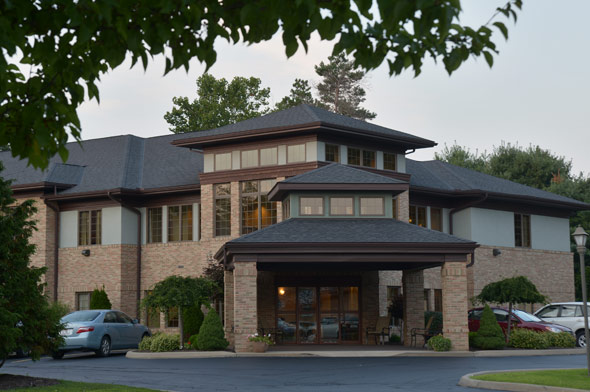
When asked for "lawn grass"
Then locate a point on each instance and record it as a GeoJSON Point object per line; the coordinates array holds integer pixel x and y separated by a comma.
{"type": "Point", "coordinates": [570, 378]}
{"type": "Point", "coordinates": [72, 386]}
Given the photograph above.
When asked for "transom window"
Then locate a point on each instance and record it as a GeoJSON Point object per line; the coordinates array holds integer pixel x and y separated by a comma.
{"type": "Point", "coordinates": [522, 230]}
{"type": "Point", "coordinates": [332, 153]}
{"type": "Point", "coordinates": [89, 227]}
{"type": "Point", "coordinates": [223, 161]}
{"type": "Point", "coordinates": [296, 153]}
{"type": "Point", "coordinates": [311, 206]}
{"type": "Point", "coordinates": [154, 225]}
{"type": "Point", "coordinates": [222, 194]}
{"type": "Point", "coordinates": [249, 158]}
{"type": "Point", "coordinates": [257, 211]}
{"type": "Point", "coordinates": [180, 223]}
{"type": "Point", "coordinates": [341, 206]}
{"type": "Point", "coordinates": [418, 216]}
{"type": "Point", "coordinates": [389, 161]}
{"type": "Point", "coordinates": [372, 206]}
{"type": "Point", "coordinates": [268, 156]}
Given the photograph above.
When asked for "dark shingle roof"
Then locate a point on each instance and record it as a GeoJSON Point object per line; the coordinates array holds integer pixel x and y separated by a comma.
{"type": "Point", "coordinates": [336, 173]}
{"type": "Point", "coordinates": [444, 176]}
{"type": "Point", "coordinates": [354, 230]}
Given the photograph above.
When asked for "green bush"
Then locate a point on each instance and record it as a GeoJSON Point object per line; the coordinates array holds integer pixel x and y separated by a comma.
{"type": "Point", "coordinates": [526, 338]}
{"type": "Point", "coordinates": [561, 339]}
{"type": "Point", "coordinates": [164, 342]}
{"type": "Point", "coordinates": [99, 299]}
{"type": "Point", "coordinates": [192, 318]}
{"type": "Point", "coordinates": [472, 336]}
{"type": "Point", "coordinates": [192, 342]}
{"type": "Point", "coordinates": [211, 336]}
{"type": "Point", "coordinates": [437, 322]}
{"type": "Point", "coordinates": [146, 343]}
{"type": "Point", "coordinates": [394, 339]}
{"type": "Point", "coordinates": [439, 343]}
{"type": "Point", "coordinates": [490, 335]}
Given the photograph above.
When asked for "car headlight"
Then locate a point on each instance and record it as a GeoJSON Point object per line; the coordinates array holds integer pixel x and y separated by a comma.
{"type": "Point", "coordinates": [553, 329]}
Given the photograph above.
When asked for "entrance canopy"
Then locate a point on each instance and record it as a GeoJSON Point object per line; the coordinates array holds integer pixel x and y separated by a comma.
{"type": "Point", "coordinates": [356, 243]}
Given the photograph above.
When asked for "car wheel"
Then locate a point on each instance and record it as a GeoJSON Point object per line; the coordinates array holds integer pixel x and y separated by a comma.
{"type": "Point", "coordinates": [58, 354]}
{"type": "Point", "coordinates": [581, 339]}
{"type": "Point", "coordinates": [105, 347]}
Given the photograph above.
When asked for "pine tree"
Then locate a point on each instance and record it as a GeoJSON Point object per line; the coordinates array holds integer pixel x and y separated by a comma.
{"type": "Point", "coordinates": [300, 93]}
{"type": "Point", "coordinates": [490, 335]}
{"type": "Point", "coordinates": [211, 335]}
{"type": "Point", "coordinates": [99, 299]}
{"type": "Point", "coordinates": [193, 319]}
{"type": "Point", "coordinates": [341, 89]}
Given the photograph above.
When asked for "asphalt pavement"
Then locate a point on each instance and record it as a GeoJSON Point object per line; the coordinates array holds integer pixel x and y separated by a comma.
{"type": "Point", "coordinates": [284, 374]}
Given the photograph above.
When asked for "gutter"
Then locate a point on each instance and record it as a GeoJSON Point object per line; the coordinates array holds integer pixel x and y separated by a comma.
{"type": "Point", "coordinates": [55, 207]}
{"type": "Point", "coordinates": [138, 213]}
{"type": "Point", "coordinates": [461, 208]}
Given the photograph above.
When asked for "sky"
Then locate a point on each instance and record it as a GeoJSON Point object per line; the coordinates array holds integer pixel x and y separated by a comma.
{"type": "Point", "coordinates": [535, 94]}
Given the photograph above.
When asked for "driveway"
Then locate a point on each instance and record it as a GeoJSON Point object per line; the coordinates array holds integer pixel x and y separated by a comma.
{"type": "Point", "coordinates": [285, 374]}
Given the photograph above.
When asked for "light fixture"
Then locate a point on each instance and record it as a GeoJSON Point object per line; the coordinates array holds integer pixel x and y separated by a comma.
{"type": "Point", "coordinates": [580, 236]}
{"type": "Point", "coordinates": [281, 291]}
{"type": "Point", "coordinates": [86, 252]}
{"type": "Point", "coordinates": [496, 252]}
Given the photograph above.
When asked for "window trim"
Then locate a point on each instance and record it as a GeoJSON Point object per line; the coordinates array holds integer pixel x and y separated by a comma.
{"type": "Point", "coordinates": [340, 197]}
{"type": "Point", "coordinates": [372, 197]}
{"type": "Point", "coordinates": [215, 198]}
{"type": "Point", "coordinates": [304, 144]}
{"type": "Point", "coordinates": [312, 197]}
{"type": "Point", "coordinates": [180, 223]}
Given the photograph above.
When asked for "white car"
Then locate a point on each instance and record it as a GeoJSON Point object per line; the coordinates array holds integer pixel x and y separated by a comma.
{"type": "Point", "coordinates": [568, 314]}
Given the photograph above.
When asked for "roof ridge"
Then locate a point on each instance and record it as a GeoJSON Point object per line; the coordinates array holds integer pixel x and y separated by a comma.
{"type": "Point", "coordinates": [309, 110]}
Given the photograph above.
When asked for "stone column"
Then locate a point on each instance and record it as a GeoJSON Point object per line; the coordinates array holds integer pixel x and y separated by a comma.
{"type": "Point", "coordinates": [228, 301]}
{"type": "Point", "coordinates": [403, 206]}
{"type": "Point", "coordinates": [245, 314]}
{"type": "Point", "coordinates": [455, 304]}
{"type": "Point", "coordinates": [413, 287]}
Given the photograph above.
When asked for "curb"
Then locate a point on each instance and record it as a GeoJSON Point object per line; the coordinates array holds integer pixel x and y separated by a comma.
{"type": "Point", "coordinates": [467, 381]}
{"type": "Point", "coordinates": [133, 354]}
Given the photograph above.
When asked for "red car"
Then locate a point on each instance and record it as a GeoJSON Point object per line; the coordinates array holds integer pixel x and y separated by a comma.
{"type": "Point", "coordinates": [520, 319]}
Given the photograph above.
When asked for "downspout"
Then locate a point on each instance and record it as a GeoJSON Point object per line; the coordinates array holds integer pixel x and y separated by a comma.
{"type": "Point", "coordinates": [55, 209]}
{"type": "Point", "coordinates": [461, 208]}
{"type": "Point", "coordinates": [138, 213]}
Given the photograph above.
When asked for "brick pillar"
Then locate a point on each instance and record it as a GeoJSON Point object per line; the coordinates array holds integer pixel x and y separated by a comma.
{"type": "Point", "coordinates": [455, 305]}
{"type": "Point", "coordinates": [228, 308]}
{"type": "Point", "coordinates": [245, 314]}
{"type": "Point", "coordinates": [413, 287]}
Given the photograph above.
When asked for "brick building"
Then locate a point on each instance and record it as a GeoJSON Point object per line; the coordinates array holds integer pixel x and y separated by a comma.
{"type": "Point", "coordinates": [320, 221]}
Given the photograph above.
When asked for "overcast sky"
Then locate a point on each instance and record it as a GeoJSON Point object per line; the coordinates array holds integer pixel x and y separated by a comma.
{"type": "Point", "coordinates": [536, 93]}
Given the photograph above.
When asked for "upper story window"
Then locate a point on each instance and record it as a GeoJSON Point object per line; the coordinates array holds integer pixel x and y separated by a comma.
{"type": "Point", "coordinates": [522, 230]}
{"type": "Point", "coordinates": [354, 156]}
{"type": "Point", "coordinates": [180, 223]}
{"type": "Point", "coordinates": [154, 225]}
{"type": "Point", "coordinates": [418, 216]}
{"type": "Point", "coordinates": [257, 211]}
{"type": "Point", "coordinates": [389, 161]}
{"type": "Point", "coordinates": [372, 206]}
{"type": "Point", "coordinates": [83, 301]}
{"type": "Point", "coordinates": [311, 206]}
{"type": "Point", "coordinates": [286, 209]}
{"type": "Point", "coordinates": [394, 207]}
{"type": "Point", "coordinates": [222, 195]}
{"type": "Point", "coordinates": [296, 153]}
{"type": "Point", "coordinates": [436, 219]}
{"type": "Point", "coordinates": [89, 227]}
{"type": "Point", "coordinates": [249, 158]}
{"type": "Point", "coordinates": [369, 158]}
{"type": "Point", "coordinates": [223, 161]}
{"type": "Point", "coordinates": [341, 206]}
{"type": "Point", "coordinates": [359, 157]}
{"type": "Point", "coordinates": [332, 153]}
{"type": "Point", "coordinates": [268, 156]}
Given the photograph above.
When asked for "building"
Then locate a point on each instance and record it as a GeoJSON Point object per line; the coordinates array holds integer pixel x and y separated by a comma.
{"type": "Point", "coordinates": [319, 220]}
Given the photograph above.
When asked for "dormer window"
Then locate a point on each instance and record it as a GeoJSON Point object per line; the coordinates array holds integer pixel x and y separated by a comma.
{"type": "Point", "coordinates": [332, 153]}
{"type": "Point", "coordinates": [354, 156]}
{"type": "Point", "coordinates": [341, 206]}
{"type": "Point", "coordinates": [311, 206]}
{"type": "Point", "coordinates": [389, 161]}
{"type": "Point", "coordinates": [372, 206]}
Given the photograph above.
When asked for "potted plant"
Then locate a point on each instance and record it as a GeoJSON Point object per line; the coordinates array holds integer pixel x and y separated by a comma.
{"type": "Point", "coordinates": [260, 343]}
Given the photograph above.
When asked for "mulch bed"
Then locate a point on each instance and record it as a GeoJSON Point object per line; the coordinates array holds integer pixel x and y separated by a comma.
{"type": "Point", "coordinates": [10, 381]}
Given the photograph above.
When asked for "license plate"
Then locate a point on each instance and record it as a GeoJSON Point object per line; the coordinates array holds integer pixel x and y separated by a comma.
{"type": "Point", "coordinates": [66, 332]}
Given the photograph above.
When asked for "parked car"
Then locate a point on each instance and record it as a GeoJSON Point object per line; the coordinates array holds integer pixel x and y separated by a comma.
{"type": "Point", "coordinates": [568, 314]}
{"type": "Point", "coordinates": [100, 331]}
{"type": "Point", "coordinates": [520, 319]}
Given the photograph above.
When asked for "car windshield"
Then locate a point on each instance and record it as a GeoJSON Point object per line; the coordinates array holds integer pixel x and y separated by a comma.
{"type": "Point", "coordinates": [83, 315]}
{"type": "Point", "coordinates": [524, 316]}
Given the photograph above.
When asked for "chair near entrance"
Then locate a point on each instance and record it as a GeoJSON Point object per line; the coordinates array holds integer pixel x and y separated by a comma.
{"type": "Point", "coordinates": [426, 332]}
{"type": "Point", "coordinates": [380, 331]}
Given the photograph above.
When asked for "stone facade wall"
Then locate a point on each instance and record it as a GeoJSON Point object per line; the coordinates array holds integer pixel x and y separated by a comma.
{"type": "Point", "coordinates": [455, 305]}
{"type": "Point", "coordinates": [413, 287]}
{"type": "Point", "coordinates": [245, 304]}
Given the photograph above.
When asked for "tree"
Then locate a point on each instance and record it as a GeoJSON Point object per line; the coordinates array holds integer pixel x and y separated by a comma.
{"type": "Point", "coordinates": [193, 319]}
{"type": "Point", "coordinates": [462, 156]}
{"type": "Point", "coordinates": [27, 320]}
{"type": "Point", "coordinates": [54, 52]}
{"type": "Point", "coordinates": [300, 93]}
{"type": "Point", "coordinates": [341, 89]}
{"type": "Point", "coordinates": [218, 103]}
{"type": "Point", "coordinates": [180, 292]}
{"type": "Point", "coordinates": [216, 273]}
{"type": "Point", "coordinates": [99, 299]}
{"type": "Point", "coordinates": [211, 335]}
{"type": "Point", "coordinates": [490, 335]}
{"type": "Point", "coordinates": [516, 290]}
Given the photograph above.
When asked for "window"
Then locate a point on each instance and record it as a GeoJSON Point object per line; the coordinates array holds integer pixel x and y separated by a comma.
{"type": "Point", "coordinates": [549, 311]}
{"type": "Point", "coordinates": [501, 315]}
{"type": "Point", "coordinates": [436, 219]}
{"type": "Point", "coordinates": [394, 207]}
{"type": "Point", "coordinates": [180, 223]}
{"type": "Point", "coordinates": [354, 156]}
{"type": "Point", "coordinates": [418, 216]}
{"type": "Point", "coordinates": [268, 156]}
{"type": "Point", "coordinates": [223, 161]}
{"type": "Point", "coordinates": [296, 153]}
{"type": "Point", "coordinates": [172, 317]}
{"type": "Point", "coordinates": [110, 317]}
{"type": "Point", "coordinates": [286, 209]}
{"type": "Point", "coordinates": [569, 310]}
{"type": "Point", "coordinates": [257, 211]}
{"type": "Point", "coordinates": [222, 194]}
{"type": "Point", "coordinates": [372, 206]}
{"type": "Point", "coordinates": [332, 153]}
{"type": "Point", "coordinates": [152, 315]}
{"type": "Point", "coordinates": [437, 300]}
{"type": "Point", "coordinates": [341, 206]}
{"type": "Point", "coordinates": [311, 206]}
{"type": "Point", "coordinates": [389, 161]}
{"type": "Point", "coordinates": [83, 301]}
{"type": "Point", "coordinates": [522, 230]}
{"type": "Point", "coordinates": [154, 225]}
{"type": "Point", "coordinates": [249, 158]}
{"type": "Point", "coordinates": [89, 227]}
{"type": "Point", "coordinates": [426, 300]}
{"type": "Point", "coordinates": [369, 158]}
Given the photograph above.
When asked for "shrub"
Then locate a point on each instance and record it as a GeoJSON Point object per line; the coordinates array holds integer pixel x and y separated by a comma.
{"type": "Point", "coordinates": [192, 318]}
{"type": "Point", "coordinates": [439, 343]}
{"type": "Point", "coordinates": [192, 342]}
{"type": "Point", "coordinates": [99, 299]}
{"type": "Point", "coordinates": [393, 339]}
{"type": "Point", "coordinates": [472, 336]}
{"type": "Point", "coordinates": [437, 322]}
{"type": "Point", "coordinates": [261, 338]}
{"type": "Point", "coordinates": [164, 342]}
{"type": "Point", "coordinates": [490, 335]}
{"type": "Point", "coordinates": [561, 339]}
{"type": "Point", "coordinates": [526, 338]}
{"type": "Point", "coordinates": [211, 335]}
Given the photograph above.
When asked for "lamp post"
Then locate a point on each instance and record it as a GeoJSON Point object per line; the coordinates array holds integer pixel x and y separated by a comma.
{"type": "Point", "coordinates": [580, 237]}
